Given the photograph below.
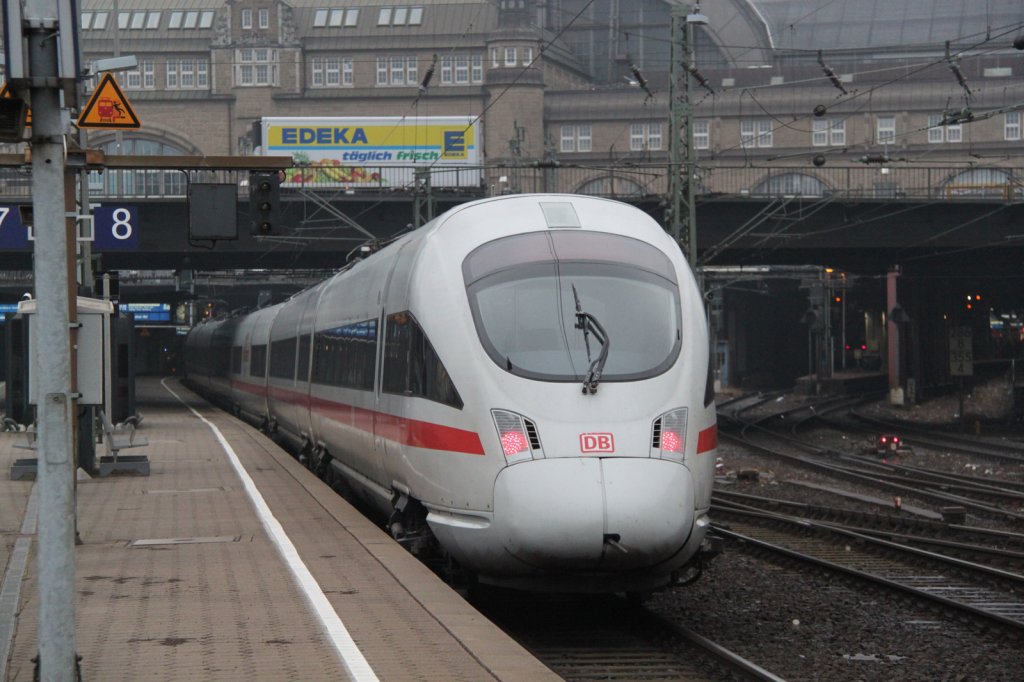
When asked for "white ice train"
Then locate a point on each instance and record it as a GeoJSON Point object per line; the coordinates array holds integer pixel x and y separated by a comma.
{"type": "Point", "coordinates": [525, 376]}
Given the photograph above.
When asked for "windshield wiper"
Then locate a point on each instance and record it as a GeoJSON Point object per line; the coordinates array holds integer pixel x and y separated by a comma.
{"type": "Point", "coordinates": [589, 325]}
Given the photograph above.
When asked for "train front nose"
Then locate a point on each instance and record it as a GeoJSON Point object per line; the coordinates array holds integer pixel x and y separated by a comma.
{"type": "Point", "coordinates": [593, 513]}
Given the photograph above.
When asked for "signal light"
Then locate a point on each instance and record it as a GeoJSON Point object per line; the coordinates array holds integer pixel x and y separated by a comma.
{"type": "Point", "coordinates": [670, 435]}
{"type": "Point", "coordinates": [515, 444]}
{"type": "Point", "coordinates": [264, 202]}
{"type": "Point", "coordinates": [671, 442]}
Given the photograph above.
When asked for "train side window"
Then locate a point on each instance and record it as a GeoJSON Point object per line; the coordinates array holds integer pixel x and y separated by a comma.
{"type": "Point", "coordinates": [303, 352]}
{"type": "Point", "coordinates": [258, 361]}
{"type": "Point", "coordinates": [236, 359]}
{"type": "Point", "coordinates": [346, 355]}
{"type": "Point", "coordinates": [411, 366]}
{"type": "Point", "coordinates": [282, 358]}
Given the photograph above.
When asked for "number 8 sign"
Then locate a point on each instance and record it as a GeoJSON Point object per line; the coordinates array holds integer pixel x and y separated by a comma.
{"type": "Point", "coordinates": [117, 227]}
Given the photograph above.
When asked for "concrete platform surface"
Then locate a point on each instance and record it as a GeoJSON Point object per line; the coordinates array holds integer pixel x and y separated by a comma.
{"type": "Point", "coordinates": [182, 576]}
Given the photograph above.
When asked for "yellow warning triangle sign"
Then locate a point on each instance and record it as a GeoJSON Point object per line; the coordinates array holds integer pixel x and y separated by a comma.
{"type": "Point", "coordinates": [108, 107]}
{"type": "Point", "coordinates": [5, 93]}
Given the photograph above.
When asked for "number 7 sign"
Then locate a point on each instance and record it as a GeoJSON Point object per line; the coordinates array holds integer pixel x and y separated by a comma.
{"type": "Point", "coordinates": [13, 234]}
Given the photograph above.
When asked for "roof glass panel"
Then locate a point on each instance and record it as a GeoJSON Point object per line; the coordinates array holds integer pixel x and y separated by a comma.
{"type": "Point", "coordinates": [206, 19]}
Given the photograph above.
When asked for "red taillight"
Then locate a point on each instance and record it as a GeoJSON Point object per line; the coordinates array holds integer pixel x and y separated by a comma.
{"type": "Point", "coordinates": [671, 442]}
{"type": "Point", "coordinates": [884, 439]}
{"type": "Point", "coordinates": [514, 442]}
{"type": "Point", "coordinates": [863, 346]}
{"type": "Point", "coordinates": [895, 439]}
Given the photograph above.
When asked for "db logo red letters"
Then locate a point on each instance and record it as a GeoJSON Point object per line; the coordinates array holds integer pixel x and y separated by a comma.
{"type": "Point", "coordinates": [597, 442]}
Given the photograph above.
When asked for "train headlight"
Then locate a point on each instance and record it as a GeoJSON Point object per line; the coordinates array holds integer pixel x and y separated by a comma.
{"type": "Point", "coordinates": [518, 436]}
{"type": "Point", "coordinates": [668, 439]}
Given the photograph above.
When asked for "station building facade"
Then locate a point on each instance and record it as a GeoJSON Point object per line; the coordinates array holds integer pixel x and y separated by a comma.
{"type": "Point", "coordinates": [854, 98]}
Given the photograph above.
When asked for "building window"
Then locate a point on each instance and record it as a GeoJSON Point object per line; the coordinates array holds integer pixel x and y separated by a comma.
{"type": "Point", "coordinates": [494, 58]}
{"type": "Point", "coordinates": [461, 69]}
{"type": "Point", "coordinates": [153, 21]}
{"type": "Point", "coordinates": [264, 18]}
{"type": "Point", "coordinates": [510, 56]}
{"type": "Point", "coordinates": [247, 18]}
{"type": "Point", "coordinates": [527, 56]}
{"type": "Point", "coordinates": [400, 16]}
{"type": "Point", "coordinates": [939, 133]}
{"type": "Point", "coordinates": [206, 19]}
{"type": "Point", "coordinates": [397, 70]}
{"type": "Point", "coordinates": [335, 18]}
{"type": "Point", "coordinates": [98, 21]}
{"type": "Point", "coordinates": [825, 132]}
{"type": "Point", "coordinates": [576, 138]}
{"type": "Point", "coordinates": [1011, 125]}
{"type": "Point", "coordinates": [331, 72]}
{"type": "Point", "coordinates": [188, 74]}
{"type": "Point", "coordinates": [143, 77]}
{"type": "Point", "coordinates": [756, 133]}
{"type": "Point", "coordinates": [255, 67]}
{"type": "Point", "coordinates": [191, 19]}
{"type": "Point", "coordinates": [886, 130]}
{"type": "Point", "coordinates": [790, 184]}
{"type": "Point", "coordinates": [644, 136]}
{"type": "Point", "coordinates": [702, 134]}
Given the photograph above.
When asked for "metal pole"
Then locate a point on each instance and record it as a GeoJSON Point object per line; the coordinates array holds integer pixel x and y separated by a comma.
{"type": "Point", "coordinates": [893, 337]}
{"type": "Point", "coordinates": [675, 194]}
{"type": "Point", "coordinates": [691, 156]}
{"type": "Point", "coordinates": [55, 400]}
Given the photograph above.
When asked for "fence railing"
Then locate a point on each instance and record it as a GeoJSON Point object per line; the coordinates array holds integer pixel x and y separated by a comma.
{"type": "Point", "coordinates": [891, 181]}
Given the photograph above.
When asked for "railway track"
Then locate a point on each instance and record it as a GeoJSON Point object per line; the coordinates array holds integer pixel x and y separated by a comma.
{"type": "Point", "coordinates": [590, 637]}
{"type": "Point", "coordinates": [991, 595]}
{"type": "Point", "coordinates": [1004, 549]}
{"type": "Point", "coordinates": [1002, 500]}
{"type": "Point", "coordinates": [914, 434]}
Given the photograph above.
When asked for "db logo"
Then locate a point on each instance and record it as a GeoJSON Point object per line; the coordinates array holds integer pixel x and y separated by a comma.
{"type": "Point", "coordinates": [597, 442]}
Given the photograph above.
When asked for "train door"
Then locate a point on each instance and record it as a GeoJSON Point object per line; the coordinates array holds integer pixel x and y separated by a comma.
{"type": "Point", "coordinates": [389, 407]}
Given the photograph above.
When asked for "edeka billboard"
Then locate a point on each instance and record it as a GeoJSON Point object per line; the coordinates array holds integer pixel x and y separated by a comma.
{"type": "Point", "coordinates": [375, 151]}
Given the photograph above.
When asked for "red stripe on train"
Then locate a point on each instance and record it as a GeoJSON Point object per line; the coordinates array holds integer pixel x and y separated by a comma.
{"type": "Point", "coordinates": [411, 432]}
{"type": "Point", "coordinates": [707, 439]}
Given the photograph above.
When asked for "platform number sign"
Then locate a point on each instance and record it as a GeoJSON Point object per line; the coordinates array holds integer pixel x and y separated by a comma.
{"type": "Point", "coordinates": [117, 227]}
{"type": "Point", "coordinates": [961, 352]}
{"type": "Point", "coordinates": [13, 234]}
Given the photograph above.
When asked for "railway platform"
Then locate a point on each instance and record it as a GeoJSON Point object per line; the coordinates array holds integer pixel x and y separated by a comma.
{"type": "Point", "coordinates": [230, 561]}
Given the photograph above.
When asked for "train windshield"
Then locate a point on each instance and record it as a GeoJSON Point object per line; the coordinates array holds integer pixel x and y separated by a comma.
{"type": "Point", "coordinates": [521, 292]}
